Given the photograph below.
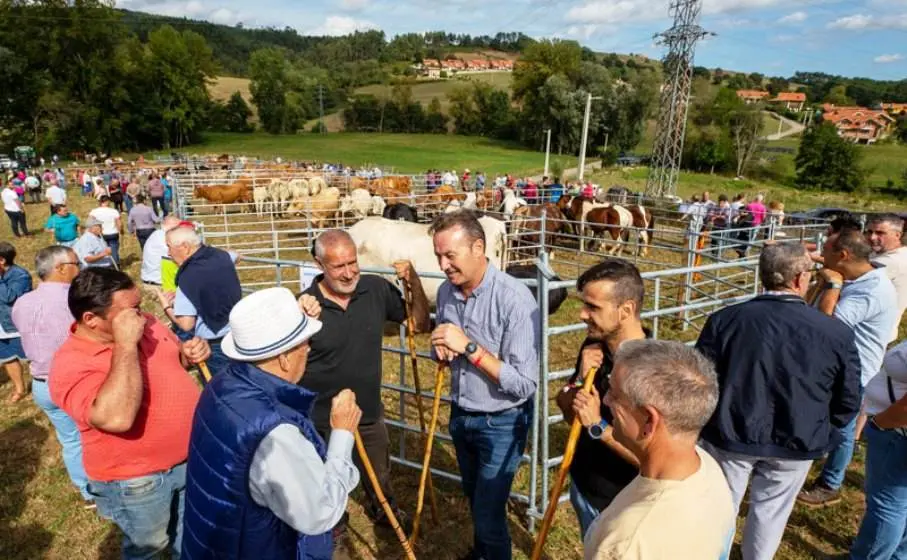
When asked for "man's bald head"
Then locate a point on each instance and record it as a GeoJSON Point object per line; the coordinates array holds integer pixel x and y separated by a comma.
{"type": "Point", "coordinates": [330, 239]}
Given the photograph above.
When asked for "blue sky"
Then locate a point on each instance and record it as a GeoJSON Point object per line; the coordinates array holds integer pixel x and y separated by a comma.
{"type": "Point", "coordinates": [775, 37]}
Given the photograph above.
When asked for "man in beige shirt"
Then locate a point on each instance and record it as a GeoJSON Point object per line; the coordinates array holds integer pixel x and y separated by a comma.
{"type": "Point", "coordinates": [884, 234]}
{"type": "Point", "coordinates": [679, 507]}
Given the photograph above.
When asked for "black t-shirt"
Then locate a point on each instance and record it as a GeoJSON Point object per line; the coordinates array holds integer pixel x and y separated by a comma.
{"type": "Point", "coordinates": [346, 353]}
{"type": "Point", "coordinates": [598, 472]}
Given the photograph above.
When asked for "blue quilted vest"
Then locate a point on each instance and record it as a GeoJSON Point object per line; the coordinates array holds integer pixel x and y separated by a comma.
{"type": "Point", "coordinates": [236, 411]}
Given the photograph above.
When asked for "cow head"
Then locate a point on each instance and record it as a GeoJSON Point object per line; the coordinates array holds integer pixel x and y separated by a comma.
{"type": "Point", "coordinates": [346, 203]}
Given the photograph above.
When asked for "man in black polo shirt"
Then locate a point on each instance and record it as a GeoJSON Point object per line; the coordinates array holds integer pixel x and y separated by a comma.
{"type": "Point", "coordinates": [612, 293]}
{"type": "Point", "coordinates": [346, 354]}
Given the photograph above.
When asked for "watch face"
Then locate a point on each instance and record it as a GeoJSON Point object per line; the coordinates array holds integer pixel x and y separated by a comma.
{"type": "Point", "coordinates": [471, 348]}
{"type": "Point", "coordinates": [596, 431]}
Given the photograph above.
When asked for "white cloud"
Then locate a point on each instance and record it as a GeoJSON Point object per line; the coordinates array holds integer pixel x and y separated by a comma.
{"type": "Point", "coordinates": [341, 25]}
{"type": "Point", "coordinates": [224, 16]}
{"type": "Point", "coordinates": [860, 22]}
{"type": "Point", "coordinates": [354, 5]}
{"type": "Point", "coordinates": [887, 58]}
{"type": "Point", "coordinates": [796, 17]}
{"type": "Point", "coordinates": [614, 12]}
{"type": "Point", "coordinates": [582, 31]}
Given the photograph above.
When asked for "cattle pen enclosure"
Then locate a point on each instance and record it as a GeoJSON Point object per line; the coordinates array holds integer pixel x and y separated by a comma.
{"type": "Point", "coordinates": [687, 276]}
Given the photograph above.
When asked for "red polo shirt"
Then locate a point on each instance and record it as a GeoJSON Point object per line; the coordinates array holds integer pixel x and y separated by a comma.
{"type": "Point", "coordinates": [159, 437]}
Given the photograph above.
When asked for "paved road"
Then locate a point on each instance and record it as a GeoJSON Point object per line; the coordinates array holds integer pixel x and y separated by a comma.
{"type": "Point", "coordinates": [591, 165]}
{"type": "Point", "coordinates": [793, 127]}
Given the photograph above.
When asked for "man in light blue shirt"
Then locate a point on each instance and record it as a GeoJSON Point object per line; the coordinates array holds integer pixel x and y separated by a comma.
{"type": "Point", "coordinates": [863, 297]}
{"type": "Point", "coordinates": [91, 247]}
{"type": "Point", "coordinates": [489, 332]}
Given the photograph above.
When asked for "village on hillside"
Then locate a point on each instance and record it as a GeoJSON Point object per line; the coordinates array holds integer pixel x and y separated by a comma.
{"type": "Point", "coordinates": [433, 68]}
{"type": "Point", "coordinates": [860, 125]}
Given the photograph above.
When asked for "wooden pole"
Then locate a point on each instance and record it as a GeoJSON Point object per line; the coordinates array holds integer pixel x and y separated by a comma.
{"type": "Point", "coordinates": [388, 511]}
{"type": "Point", "coordinates": [570, 450]}
{"type": "Point", "coordinates": [206, 373]}
{"type": "Point", "coordinates": [417, 383]}
{"type": "Point", "coordinates": [426, 459]}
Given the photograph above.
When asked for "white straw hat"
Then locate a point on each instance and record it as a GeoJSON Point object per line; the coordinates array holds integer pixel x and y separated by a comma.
{"type": "Point", "coordinates": [265, 324]}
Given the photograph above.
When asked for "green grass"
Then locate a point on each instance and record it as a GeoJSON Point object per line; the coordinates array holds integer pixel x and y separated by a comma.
{"type": "Point", "coordinates": [425, 92]}
{"type": "Point", "coordinates": [406, 153]}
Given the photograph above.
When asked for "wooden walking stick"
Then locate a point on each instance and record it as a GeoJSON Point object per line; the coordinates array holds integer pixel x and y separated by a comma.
{"type": "Point", "coordinates": [569, 451]}
{"type": "Point", "coordinates": [411, 341]}
{"type": "Point", "coordinates": [206, 373]}
{"type": "Point", "coordinates": [388, 511]}
{"type": "Point", "coordinates": [426, 459]}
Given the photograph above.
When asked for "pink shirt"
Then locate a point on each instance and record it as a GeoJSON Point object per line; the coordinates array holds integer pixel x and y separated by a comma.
{"type": "Point", "coordinates": [42, 317]}
{"type": "Point", "coordinates": [757, 209]}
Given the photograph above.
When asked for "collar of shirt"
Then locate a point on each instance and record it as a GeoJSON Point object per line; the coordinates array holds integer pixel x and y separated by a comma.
{"type": "Point", "coordinates": [485, 285]}
{"type": "Point", "coordinates": [866, 277]}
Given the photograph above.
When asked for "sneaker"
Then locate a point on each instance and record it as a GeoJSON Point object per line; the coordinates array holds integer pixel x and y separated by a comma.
{"type": "Point", "coordinates": [819, 495]}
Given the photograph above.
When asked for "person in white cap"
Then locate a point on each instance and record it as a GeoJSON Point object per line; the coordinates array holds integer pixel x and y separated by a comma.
{"type": "Point", "coordinates": [91, 247]}
{"type": "Point", "coordinates": [261, 483]}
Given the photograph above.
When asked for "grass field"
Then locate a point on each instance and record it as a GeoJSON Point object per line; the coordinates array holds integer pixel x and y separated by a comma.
{"type": "Point", "coordinates": [425, 92]}
{"type": "Point", "coordinates": [406, 153]}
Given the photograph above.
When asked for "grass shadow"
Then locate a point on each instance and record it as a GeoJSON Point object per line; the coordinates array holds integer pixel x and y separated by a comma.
{"type": "Point", "coordinates": [21, 445]}
{"type": "Point", "coordinates": [110, 548]}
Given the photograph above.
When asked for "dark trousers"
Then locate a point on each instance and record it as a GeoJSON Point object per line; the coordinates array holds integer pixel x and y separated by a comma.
{"type": "Point", "coordinates": [489, 448]}
{"type": "Point", "coordinates": [17, 221]}
{"type": "Point", "coordinates": [142, 235]}
{"type": "Point", "coordinates": [377, 446]}
{"type": "Point", "coordinates": [159, 205]}
{"type": "Point", "coordinates": [113, 241]}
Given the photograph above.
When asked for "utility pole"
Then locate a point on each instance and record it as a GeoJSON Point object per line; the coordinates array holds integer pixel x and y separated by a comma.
{"type": "Point", "coordinates": [582, 148]}
{"type": "Point", "coordinates": [321, 108]}
{"type": "Point", "coordinates": [547, 150]}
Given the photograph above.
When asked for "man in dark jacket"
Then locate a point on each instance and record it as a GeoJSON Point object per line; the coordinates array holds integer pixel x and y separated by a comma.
{"type": "Point", "coordinates": [789, 378]}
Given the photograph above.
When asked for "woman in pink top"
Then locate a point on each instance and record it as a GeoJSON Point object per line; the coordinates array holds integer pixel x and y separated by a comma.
{"type": "Point", "coordinates": [757, 210]}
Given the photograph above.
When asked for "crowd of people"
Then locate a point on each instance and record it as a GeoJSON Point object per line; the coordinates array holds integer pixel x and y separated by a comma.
{"type": "Point", "coordinates": [258, 461]}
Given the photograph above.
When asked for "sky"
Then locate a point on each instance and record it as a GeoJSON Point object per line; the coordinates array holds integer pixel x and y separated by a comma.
{"type": "Point", "coordinates": [775, 37]}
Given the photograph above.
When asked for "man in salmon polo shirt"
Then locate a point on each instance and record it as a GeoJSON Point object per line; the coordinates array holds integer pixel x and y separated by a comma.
{"type": "Point", "coordinates": [121, 377]}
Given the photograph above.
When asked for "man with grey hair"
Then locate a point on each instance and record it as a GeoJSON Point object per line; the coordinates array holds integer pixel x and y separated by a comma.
{"type": "Point", "coordinates": [661, 394]}
{"type": "Point", "coordinates": [781, 398]}
{"type": "Point", "coordinates": [43, 319]}
{"type": "Point", "coordinates": [884, 235]}
{"type": "Point", "coordinates": [346, 353]}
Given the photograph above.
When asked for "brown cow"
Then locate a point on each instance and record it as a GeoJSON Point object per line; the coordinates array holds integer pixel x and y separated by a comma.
{"type": "Point", "coordinates": [618, 221]}
{"type": "Point", "coordinates": [528, 219]}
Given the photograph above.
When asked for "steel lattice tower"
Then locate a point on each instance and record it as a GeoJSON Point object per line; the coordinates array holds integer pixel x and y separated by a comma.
{"type": "Point", "coordinates": [675, 96]}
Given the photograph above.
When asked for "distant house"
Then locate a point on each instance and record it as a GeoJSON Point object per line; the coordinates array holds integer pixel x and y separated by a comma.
{"type": "Point", "coordinates": [895, 108]}
{"type": "Point", "coordinates": [792, 101]}
{"type": "Point", "coordinates": [750, 96]}
{"type": "Point", "coordinates": [859, 124]}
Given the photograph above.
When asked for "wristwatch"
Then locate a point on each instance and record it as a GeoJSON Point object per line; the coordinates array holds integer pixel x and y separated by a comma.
{"type": "Point", "coordinates": [471, 348]}
{"type": "Point", "coordinates": [596, 431]}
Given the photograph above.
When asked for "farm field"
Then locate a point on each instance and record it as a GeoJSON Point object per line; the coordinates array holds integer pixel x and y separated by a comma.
{"type": "Point", "coordinates": [41, 517]}
{"type": "Point", "coordinates": [405, 153]}
{"type": "Point", "coordinates": [424, 92]}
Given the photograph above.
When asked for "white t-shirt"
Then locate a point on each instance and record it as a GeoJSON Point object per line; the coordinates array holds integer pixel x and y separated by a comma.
{"type": "Point", "coordinates": [56, 195]}
{"type": "Point", "coordinates": [10, 200]}
{"type": "Point", "coordinates": [32, 182]}
{"type": "Point", "coordinates": [895, 263]}
{"type": "Point", "coordinates": [876, 397]}
{"type": "Point", "coordinates": [650, 519]}
{"type": "Point", "coordinates": [108, 218]}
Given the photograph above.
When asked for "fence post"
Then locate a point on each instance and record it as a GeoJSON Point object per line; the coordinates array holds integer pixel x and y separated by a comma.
{"type": "Point", "coordinates": [226, 226]}
{"type": "Point", "coordinates": [540, 417]}
{"type": "Point", "coordinates": [657, 297]}
{"type": "Point", "coordinates": [687, 291]}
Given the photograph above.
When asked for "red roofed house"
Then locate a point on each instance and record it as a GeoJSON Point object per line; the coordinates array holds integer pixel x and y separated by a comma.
{"type": "Point", "coordinates": [858, 124]}
{"type": "Point", "coordinates": [792, 101]}
{"type": "Point", "coordinates": [895, 108]}
{"type": "Point", "coordinates": [750, 96]}
{"type": "Point", "coordinates": [478, 64]}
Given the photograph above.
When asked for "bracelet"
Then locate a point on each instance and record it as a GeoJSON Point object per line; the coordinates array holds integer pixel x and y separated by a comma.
{"type": "Point", "coordinates": [478, 359]}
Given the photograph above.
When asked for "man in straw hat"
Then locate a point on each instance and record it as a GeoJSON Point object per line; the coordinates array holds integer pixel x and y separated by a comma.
{"type": "Point", "coordinates": [261, 482]}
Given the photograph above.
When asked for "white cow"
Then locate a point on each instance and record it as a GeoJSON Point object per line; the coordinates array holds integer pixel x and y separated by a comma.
{"type": "Point", "coordinates": [511, 203]}
{"type": "Point", "coordinates": [316, 185]}
{"type": "Point", "coordinates": [380, 242]}
{"type": "Point", "coordinates": [358, 203]}
{"type": "Point", "coordinates": [279, 192]}
{"type": "Point", "coordinates": [260, 198]}
{"type": "Point", "coordinates": [378, 206]}
{"type": "Point", "coordinates": [299, 189]}
{"type": "Point", "coordinates": [469, 203]}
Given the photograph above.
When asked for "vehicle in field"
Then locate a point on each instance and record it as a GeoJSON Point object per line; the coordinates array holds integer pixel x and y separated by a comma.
{"type": "Point", "coordinates": [818, 215]}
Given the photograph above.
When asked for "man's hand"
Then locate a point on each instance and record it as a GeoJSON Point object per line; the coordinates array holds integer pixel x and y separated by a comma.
{"type": "Point", "coordinates": [592, 356]}
{"type": "Point", "coordinates": [107, 252]}
{"type": "Point", "coordinates": [164, 298]}
{"type": "Point", "coordinates": [196, 350]}
{"type": "Point", "coordinates": [405, 271]}
{"type": "Point", "coordinates": [831, 276]}
{"type": "Point", "coordinates": [587, 407]}
{"type": "Point", "coordinates": [449, 341]}
{"type": "Point", "coordinates": [127, 327]}
{"type": "Point", "coordinates": [309, 305]}
{"type": "Point", "coordinates": [345, 413]}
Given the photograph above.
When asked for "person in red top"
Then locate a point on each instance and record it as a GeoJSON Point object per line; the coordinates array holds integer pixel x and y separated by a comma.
{"type": "Point", "coordinates": [121, 377]}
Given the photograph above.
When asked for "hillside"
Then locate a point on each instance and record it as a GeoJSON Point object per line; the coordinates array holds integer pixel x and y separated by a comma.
{"type": "Point", "coordinates": [424, 92]}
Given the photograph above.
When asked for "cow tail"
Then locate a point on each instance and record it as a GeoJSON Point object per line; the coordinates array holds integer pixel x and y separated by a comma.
{"type": "Point", "coordinates": [651, 229]}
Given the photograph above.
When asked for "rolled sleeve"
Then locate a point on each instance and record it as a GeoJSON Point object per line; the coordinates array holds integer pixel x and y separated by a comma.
{"type": "Point", "coordinates": [519, 356]}
{"type": "Point", "coordinates": [182, 307]}
{"type": "Point", "coordinates": [853, 309]}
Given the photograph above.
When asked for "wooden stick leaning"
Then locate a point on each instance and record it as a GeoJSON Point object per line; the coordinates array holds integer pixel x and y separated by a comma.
{"type": "Point", "coordinates": [206, 373]}
{"type": "Point", "coordinates": [426, 459]}
{"type": "Point", "coordinates": [569, 451]}
{"type": "Point", "coordinates": [388, 511]}
{"type": "Point", "coordinates": [411, 341]}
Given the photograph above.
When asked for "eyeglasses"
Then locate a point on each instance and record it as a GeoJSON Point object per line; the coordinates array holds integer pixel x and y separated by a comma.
{"type": "Point", "coordinates": [67, 262]}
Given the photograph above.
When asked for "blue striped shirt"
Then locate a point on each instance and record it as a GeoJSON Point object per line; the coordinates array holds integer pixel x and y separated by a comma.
{"type": "Point", "coordinates": [502, 317]}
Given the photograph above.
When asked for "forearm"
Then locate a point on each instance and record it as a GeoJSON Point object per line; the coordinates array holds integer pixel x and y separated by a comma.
{"type": "Point", "coordinates": [895, 416]}
{"type": "Point", "coordinates": [828, 299]}
{"type": "Point", "coordinates": [420, 308]}
{"type": "Point", "coordinates": [623, 452]}
{"type": "Point", "coordinates": [94, 258]}
{"type": "Point", "coordinates": [509, 377]}
{"type": "Point", "coordinates": [117, 403]}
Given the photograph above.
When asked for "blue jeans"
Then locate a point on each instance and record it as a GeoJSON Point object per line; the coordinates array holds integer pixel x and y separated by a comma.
{"type": "Point", "coordinates": [129, 202]}
{"type": "Point", "coordinates": [585, 512]}
{"type": "Point", "coordinates": [113, 241]}
{"type": "Point", "coordinates": [883, 532]}
{"type": "Point", "coordinates": [67, 435]}
{"type": "Point", "coordinates": [159, 205]}
{"type": "Point", "coordinates": [489, 448]}
{"type": "Point", "coordinates": [839, 457]}
{"type": "Point", "coordinates": [148, 509]}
